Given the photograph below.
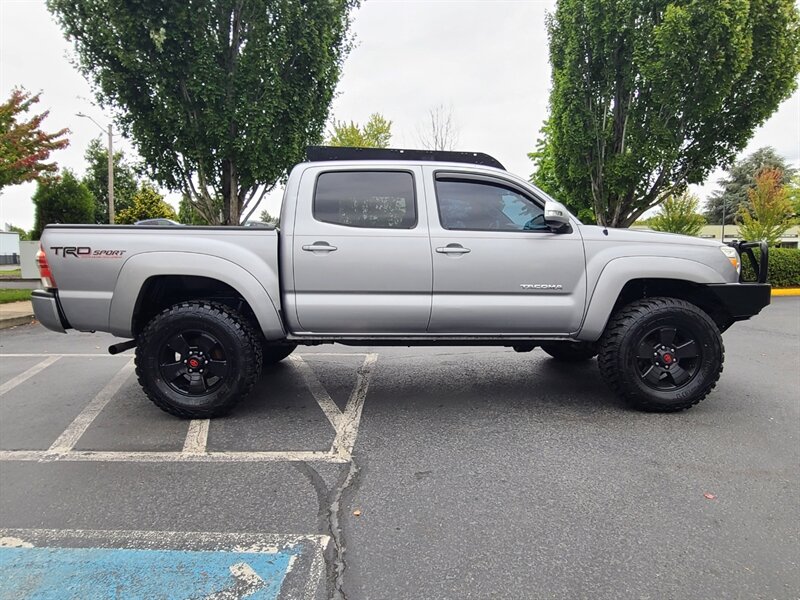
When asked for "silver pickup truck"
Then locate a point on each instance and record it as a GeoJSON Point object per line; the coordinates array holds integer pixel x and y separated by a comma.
{"type": "Point", "coordinates": [399, 247]}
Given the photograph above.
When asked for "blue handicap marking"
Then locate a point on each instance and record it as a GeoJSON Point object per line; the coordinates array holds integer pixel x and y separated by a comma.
{"type": "Point", "coordinates": [55, 573]}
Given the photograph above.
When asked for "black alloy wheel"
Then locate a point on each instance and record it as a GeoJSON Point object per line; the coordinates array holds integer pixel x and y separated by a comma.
{"type": "Point", "coordinates": [193, 363]}
{"type": "Point", "coordinates": [668, 358]}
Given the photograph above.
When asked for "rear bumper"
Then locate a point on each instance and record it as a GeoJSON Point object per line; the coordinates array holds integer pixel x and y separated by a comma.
{"type": "Point", "coordinates": [742, 300]}
{"type": "Point", "coordinates": [47, 310]}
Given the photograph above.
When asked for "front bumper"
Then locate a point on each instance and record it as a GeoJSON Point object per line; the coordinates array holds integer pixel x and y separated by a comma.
{"type": "Point", "coordinates": [47, 310]}
{"type": "Point", "coordinates": [742, 300]}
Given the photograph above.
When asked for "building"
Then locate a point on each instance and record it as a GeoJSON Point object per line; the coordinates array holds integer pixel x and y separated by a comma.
{"type": "Point", "coordinates": [789, 239]}
{"type": "Point", "coordinates": [9, 248]}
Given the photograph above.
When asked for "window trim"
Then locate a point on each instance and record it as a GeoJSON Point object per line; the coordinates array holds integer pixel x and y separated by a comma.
{"type": "Point", "coordinates": [487, 179]}
{"type": "Point", "coordinates": [414, 225]}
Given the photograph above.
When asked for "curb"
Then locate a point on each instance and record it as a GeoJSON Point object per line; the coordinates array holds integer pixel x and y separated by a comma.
{"type": "Point", "coordinates": [786, 292]}
{"type": "Point", "coordinates": [16, 320]}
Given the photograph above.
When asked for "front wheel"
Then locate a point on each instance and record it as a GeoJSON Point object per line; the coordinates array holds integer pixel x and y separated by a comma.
{"type": "Point", "coordinates": [661, 354]}
{"type": "Point", "coordinates": [197, 359]}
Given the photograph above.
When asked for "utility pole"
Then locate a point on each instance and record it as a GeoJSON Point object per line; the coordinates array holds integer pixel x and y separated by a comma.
{"type": "Point", "coordinates": [110, 174]}
{"type": "Point", "coordinates": [110, 132]}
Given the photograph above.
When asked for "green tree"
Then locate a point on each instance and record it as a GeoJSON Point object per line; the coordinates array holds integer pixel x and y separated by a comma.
{"type": "Point", "coordinates": [648, 97]}
{"type": "Point", "coordinates": [793, 194]}
{"type": "Point", "coordinates": [265, 217]}
{"type": "Point", "coordinates": [146, 203]}
{"type": "Point", "coordinates": [24, 147]}
{"type": "Point", "coordinates": [24, 236]}
{"type": "Point", "coordinates": [377, 133]}
{"type": "Point", "coordinates": [221, 97]}
{"type": "Point", "coordinates": [768, 213]}
{"type": "Point", "coordinates": [96, 179]}
{"type": "Point", "coordinates": [188, 214]}
{"type": "Point", "coordinates": [544, 177]}
{"type": "Point", "coordinates": [61, 199]}
{"type": "Point", "coordinates": [741, 178]}
{"type": "Point", "coordinates": [678, 214]}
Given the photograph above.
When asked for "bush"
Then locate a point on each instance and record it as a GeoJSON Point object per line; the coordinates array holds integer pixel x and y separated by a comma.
{"type": "Point", "coordinates": [62, 199]}
{"type": "Point", "coordinates": [784, 267]}
{"type": "Point", "coordinates": [147, 203]}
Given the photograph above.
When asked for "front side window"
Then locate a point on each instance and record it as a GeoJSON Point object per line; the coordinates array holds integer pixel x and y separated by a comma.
{"type": "Point", "coordinates": [376, 199]}
{"type": "Point", "coordinates": [485, 206]}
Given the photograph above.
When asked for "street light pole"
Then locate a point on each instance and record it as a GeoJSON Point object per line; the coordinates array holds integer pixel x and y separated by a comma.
{"type": "Point", "coordinates": [110, 132]}
{"type": "Point", "coordinates": [110, 174]}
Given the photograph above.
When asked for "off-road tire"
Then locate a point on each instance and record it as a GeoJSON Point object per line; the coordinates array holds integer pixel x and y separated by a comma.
{"type": "Point", "coordinates": [237, 342]}
{"type": "Point", "coordinates": [571, 351]}
{"type": "Point", "coordinates": [275, 354]}
{"type": "Point", "coordinates": [625, 334]}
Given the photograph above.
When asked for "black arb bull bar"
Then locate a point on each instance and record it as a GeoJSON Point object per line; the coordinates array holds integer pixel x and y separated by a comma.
{"type": "Point", "coordinates": [746, 298]}
{"type": "Point", "coordinates": [760, 266]}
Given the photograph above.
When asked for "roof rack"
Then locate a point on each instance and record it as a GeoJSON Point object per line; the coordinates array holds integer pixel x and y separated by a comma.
{"type": "Point", "coordinates": [327, 153]}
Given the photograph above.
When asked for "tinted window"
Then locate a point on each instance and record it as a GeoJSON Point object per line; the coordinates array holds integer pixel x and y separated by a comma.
{"type": "Point", "coordinates": [379, 199]}
{"type": "Point", "coordinates": [478, 205]}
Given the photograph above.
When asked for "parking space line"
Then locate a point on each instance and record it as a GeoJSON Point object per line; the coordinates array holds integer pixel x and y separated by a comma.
{"type": "Point", "coordinates": [196, 437]}
{"type": "Point", "coordinates": [158, 456]}
{"type": "Point", "coordinates": [67, 440]}
{"type": "Point", "coordinates": [326, 403]}
{"type": "Point", "coordinates": [25, 375]}
{"type": "Point", "coordinates": [346, 434]}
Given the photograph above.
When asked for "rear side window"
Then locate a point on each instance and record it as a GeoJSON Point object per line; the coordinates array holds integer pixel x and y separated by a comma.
{"type": "Point", "coordinates": [375, 199]}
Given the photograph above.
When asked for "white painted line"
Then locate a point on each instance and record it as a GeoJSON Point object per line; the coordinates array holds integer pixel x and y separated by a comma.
{"type": "Point", "coordinates": [316, 571]}
{"type": "Point", "coordinates": [25, 375]}
{"type": "Point", "coordinates": [153, 540]}
{"type": "Point", "coordinates": [168, 457]}
{"type": "Point", "coordinates": [67, 440]}
{"type": "Point", "coordinates": [196, 437]}
{"type": "Point", "coordinates": [345, 439]}
{"type": "Point", "coordinates": [322, 397]}
{"type": "Point", "coordinates": [84, 355]}
{"type": "Point", "coordinates": [333, 354]}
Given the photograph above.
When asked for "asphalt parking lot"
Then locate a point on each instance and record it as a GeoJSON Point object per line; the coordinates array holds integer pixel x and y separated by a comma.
{"type": "Point", "coordinates": [383, 473]}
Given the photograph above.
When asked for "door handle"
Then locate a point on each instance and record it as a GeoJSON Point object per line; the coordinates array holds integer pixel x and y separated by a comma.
{"type": "Point", "coordinates": [320, 247]}
{"type": "Point", "coordinates": [453, 249]}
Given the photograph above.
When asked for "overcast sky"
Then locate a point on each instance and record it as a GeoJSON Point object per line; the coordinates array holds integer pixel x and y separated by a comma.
{"type": "Point", "coordinates": [487, 59]}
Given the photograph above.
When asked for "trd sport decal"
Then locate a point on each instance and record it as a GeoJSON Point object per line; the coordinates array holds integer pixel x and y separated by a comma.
{"type": "Point", "coordinates": [85, 252]}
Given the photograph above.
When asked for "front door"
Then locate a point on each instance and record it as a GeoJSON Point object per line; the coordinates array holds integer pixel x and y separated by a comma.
{"type": "Point", "coordinates": [497, 268]}
{"type": "Point", "coordinates": [361, 252]}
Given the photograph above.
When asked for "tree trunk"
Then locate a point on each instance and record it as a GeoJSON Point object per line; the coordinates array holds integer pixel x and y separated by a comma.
{"type": "Point", "coordinates": [230, 193]}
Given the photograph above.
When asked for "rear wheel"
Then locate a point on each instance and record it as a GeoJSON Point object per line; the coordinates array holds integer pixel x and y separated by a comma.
{"type": "Point", "coordinates": [571, 351]}
{"type": "Point", "coordinates": [661, 354]}
{"type": "Point", "coordinates": [197, 359]}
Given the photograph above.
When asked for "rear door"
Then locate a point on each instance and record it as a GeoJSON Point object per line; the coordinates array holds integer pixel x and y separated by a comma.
{"type": "Point", "coordinates": [497, 268]}
{"type": "Point", "coordinates": [361, 251]}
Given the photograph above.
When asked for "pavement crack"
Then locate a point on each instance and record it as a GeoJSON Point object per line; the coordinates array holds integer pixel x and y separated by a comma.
{"type": "Point", "coordinates": [330, 514]}
{"type": "Point", "coordinates": [336, 529]}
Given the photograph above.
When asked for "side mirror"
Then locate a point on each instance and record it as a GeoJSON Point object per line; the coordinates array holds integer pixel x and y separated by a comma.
{"type": "Point", "coordinates": [555, 215]}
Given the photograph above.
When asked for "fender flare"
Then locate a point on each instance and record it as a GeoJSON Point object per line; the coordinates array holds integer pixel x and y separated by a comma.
{"type": "Point", "coordinates": [141, 267]}
{"type": "Point", "coordinates": [619, 271]}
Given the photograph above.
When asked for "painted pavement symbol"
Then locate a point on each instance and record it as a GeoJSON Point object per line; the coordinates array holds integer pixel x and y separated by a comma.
{"type": "Point", "coordinates": [76, 564]}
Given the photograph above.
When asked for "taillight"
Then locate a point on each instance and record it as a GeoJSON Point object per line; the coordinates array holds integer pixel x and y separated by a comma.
{"type": "Point", "coordinates": [44, 269]}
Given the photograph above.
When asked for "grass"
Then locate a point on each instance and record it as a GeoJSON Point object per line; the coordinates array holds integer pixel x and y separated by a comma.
{"type": "Point", "coordinates": [12, 274]}
{"type": "Point", "coordinates": [7, 296]}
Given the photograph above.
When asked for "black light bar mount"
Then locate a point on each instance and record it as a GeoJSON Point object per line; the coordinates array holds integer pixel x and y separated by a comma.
{"type": "Point", "coordinates": [328, 153]}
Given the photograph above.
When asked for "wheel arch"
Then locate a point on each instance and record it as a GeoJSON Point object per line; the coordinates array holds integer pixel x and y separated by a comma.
{"type": "Point", "coordinates": [150, 282]}
{"type": "Point", "coordinates": [627, 279]}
